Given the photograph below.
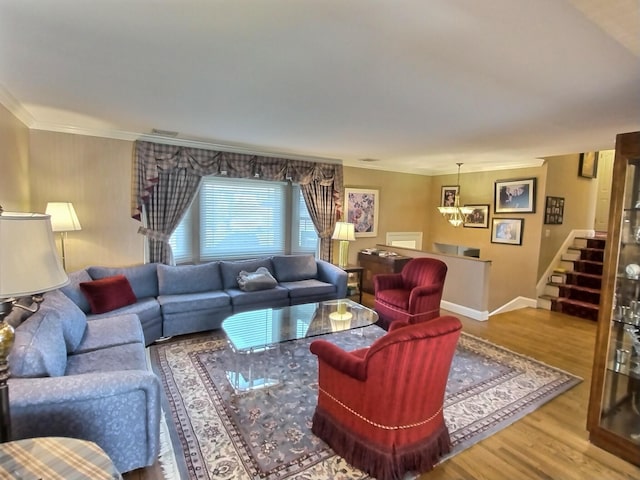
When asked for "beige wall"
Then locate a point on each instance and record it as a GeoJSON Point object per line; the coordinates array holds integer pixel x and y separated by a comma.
{"type": "Point", "coordinates": [579, 207]}
{"type": "Point", "coordinates": [95, 175]}
{"type": "Point", "coordinates": [403, 198]}
{"type": "Point", "coordinates": [14, 163]}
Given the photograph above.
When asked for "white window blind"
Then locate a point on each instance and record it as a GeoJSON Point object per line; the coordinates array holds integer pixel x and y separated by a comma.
{"type": "Point", "coordinates": [181, 240]}
{"type": "Point", "coordinates": [303, 232]}
{"type": "Point", "coordinates": [241, 218]}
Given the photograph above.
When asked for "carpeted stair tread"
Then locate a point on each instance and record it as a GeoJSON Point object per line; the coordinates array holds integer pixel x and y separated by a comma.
{"type": "Point", "coordinates": [577, 302]}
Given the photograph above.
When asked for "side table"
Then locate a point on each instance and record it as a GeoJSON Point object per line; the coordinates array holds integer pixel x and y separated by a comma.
{"type": "Point", "coordinates": [359, 272]}
{"type": "Point", "coordinates": [55, 458]}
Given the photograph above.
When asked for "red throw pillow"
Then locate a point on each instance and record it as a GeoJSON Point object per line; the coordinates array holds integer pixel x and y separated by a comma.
{"type": "Point", "coordinates": [108, 293]}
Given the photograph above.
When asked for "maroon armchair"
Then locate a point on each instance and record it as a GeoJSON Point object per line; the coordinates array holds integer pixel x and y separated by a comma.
{"type": "Point", "coordinates": [387, 421]}
{"type": "Point", "coordinates": [413, 295]}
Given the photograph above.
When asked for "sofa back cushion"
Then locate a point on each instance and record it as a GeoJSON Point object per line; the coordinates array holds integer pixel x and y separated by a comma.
{"type": "Point", "coordinates": [293, 268]}
{"type": "Point", "coordinates": [73, 289]}
{"type": "Point", "coordinates": [231, 269]}
{"type": "Point", "coordinates": [73, 320]}
{"type": "Point", "coordinates": [39, 348]}
{"type": "Point", "coordinates": [177, 280]}
{"type": "Point", "coordinates": [143, 278]}
{"type": "Point", "coordinates": [108, 293]}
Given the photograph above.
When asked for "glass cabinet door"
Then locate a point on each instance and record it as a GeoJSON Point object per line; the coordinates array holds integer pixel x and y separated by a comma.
{"type": "Point", "coordinates": [614, 405]}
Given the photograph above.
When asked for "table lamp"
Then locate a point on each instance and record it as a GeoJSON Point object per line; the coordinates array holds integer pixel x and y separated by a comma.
{"type": "Point", "coordinates": [29, 265]}
{"type": "Point", "coordinates": [345, 232]}
{"type": "Point", "coordinates": [63, 220]}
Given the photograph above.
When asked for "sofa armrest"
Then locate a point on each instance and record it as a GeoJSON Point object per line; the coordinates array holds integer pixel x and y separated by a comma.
{"type": "Point", "coordinates": [349, 363]}
{"type": "Point", "coordinates": [327, 272]}
{"type": "Point", "coordinates": [118, 410]}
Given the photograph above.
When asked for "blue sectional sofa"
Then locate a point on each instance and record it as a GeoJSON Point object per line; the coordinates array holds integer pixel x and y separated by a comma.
{"type": "Point", "coordinates": [83, 374]}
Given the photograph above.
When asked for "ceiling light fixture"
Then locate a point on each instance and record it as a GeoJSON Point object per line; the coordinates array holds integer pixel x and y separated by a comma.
{"type": "Point", "coordinates": [455, 214]}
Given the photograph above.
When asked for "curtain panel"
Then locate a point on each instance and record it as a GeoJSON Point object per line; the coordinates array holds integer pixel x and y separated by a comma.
{"type": "Point", "coordinates": [154, 162]}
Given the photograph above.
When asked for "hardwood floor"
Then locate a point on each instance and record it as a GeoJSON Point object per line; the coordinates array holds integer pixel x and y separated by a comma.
{"type": "Point", "coordinates": [550, 443]}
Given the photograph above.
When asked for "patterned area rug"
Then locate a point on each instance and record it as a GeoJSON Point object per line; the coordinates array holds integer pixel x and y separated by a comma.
{"type": "Point", "coordinates": [266, 433]}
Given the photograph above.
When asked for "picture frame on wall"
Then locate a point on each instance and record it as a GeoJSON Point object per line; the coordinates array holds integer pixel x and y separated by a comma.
{"type": "Point", "coordinates": [515, 196]}
{"type": "Point", "coordinates": [479, 218]}
{"type": "Point", "coordinates": [507, 230]}
{"type": "Point", "coordinates": [362, 205]}
{"type": "Point", "coordinates": [588, 165]}
{"type": "Point", "coordinates": [448, 195]}
{"type": "Point", "coordinates": [554, 210]}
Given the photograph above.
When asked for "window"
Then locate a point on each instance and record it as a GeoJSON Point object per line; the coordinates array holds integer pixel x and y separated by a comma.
{"type": "Point", "coordinates": [240, 218]}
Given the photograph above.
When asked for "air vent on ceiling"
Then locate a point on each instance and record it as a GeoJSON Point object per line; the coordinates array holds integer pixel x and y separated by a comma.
{"type": "Point", "coordinates": [369, 159]}
{"type": "Point", "coordinates": [164, 133]}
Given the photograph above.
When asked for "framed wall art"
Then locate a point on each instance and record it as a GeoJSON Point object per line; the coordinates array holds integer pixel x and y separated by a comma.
{"type": "Point", "coordinates": [554, 210]}
{"type": "Point", "coordinates": [515, 196]}
{"type": "Point", "coordinates": [362, 210]}
{"type": "Point", "coordinates": [588, 165]}
{"type": "Point", "coordinates": [448, 195]}
{"type": "Point", "coordinates": [479, 218]}
{"type": "Point", "coordinates": [507, 230]}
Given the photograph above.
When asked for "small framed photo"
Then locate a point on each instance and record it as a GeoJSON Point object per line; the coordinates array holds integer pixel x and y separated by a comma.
{"type": "Point", "coordinates": [554, 210]}
{"type": "Point", "coordinates": [479, 218]}
{"type": "Point", "coordinates": [588, 166]}
{"type": "Point", "coordinates": [449, 195]}
{"type": "Point", "coordinates": [362, 206]}
{"type": "Point", "coordinates": [515, 196]}
{"type": "Point", "coordinates": [507, 230]}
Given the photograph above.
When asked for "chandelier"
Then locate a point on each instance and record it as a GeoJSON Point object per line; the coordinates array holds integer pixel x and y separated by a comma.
{"type": "Point", "coordinates": [455, 214]}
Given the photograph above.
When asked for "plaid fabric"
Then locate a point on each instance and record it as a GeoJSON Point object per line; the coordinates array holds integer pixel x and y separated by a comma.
{"type": "Point", "coordinates": [165, 197]}
{"type": "Point", "coordinates": [55, 458]}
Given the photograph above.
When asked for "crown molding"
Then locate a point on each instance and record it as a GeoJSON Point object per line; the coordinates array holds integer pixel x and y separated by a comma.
{"type": "Point", "coordinates": [12, 104]}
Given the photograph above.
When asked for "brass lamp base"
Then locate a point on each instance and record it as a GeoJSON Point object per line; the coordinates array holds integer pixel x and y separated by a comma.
{"type": "Point", "coordinates": [343, 254]}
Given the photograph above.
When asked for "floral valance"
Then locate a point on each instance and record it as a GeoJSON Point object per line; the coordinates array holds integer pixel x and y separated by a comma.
{"type": "Point", "coordinates": [151, 159]}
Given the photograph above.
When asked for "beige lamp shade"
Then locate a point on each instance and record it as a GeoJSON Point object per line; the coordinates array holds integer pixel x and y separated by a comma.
{"type": "Point", "coordinates": [63, 217]}
{"type": "Point", "coordinates": [29, 263]}
{"type": "Point", "coordinates": [344, 231]}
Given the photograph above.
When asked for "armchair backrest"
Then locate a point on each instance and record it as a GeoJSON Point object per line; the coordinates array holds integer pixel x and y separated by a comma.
{"type": "Point", "coordinates": [420, 355]}
{"type": "Point", "coordinates": [423, 271]}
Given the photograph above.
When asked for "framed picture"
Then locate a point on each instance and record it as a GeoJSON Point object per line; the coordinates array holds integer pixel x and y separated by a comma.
{"type": "Point", "coordinates": [507, 230]}
{"type": "Point", "coordinates": [588, 166]}
{"type": "Point", "coordinates": [479, 218]}
{"type": "Point", "coordinates": [449, 195]}
{"type": "Point", "coordinates": [362, 210]}
{"type": "Point", "coordinates": [515, 196]}
{"type": "Point", "coordinates": [554, 210]}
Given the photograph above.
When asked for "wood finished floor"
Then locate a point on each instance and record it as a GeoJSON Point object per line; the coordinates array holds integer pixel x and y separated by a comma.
{"type": "Point", "coordinates": [550, 443]}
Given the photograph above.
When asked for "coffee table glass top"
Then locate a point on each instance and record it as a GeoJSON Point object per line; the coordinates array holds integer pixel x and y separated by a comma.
{"type": "Point", "coordinates": [257, 329]}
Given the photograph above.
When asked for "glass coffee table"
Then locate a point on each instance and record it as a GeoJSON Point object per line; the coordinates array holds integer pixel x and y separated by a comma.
{"type": "Point", "coordinates": [258, 332]}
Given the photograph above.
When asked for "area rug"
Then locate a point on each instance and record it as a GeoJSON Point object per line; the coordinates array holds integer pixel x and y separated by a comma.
{"type": "Point", "coordinates": [266, 433]}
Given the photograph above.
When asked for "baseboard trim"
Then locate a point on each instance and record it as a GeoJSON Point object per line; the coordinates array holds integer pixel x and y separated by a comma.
{"type": "Point", "coordinates": [516, 304]}
{"type": "Point", "coordinates": [466, 311]}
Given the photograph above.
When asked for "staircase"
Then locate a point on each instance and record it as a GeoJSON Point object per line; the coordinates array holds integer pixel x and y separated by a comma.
{"type": "Point", "coordinates": [574, 286]}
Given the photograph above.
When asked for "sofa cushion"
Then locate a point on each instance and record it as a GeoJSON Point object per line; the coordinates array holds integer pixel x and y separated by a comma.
{"type": "Point", "coordinates": [130, 356]}
{"type": "Point", "coordinates": [174, 280]}
{"type": "Point", "coordinates": [73, 289]}
{"type": "Point", "coordinates": [231, 269]}
{"type": "Point", "coordinates": [263, 297]}
{"type": "Point", "coordinates": [111, 331]}
{"type": "Point", "coordinates": [193, 302]}
{"type": "Point", "coordinates": [143, 278]}
{"type": "Point", "coordinates": [291, 268]}
{"type": "Point", "coordinates": [39, 349]}
{"type": "Point", "coordinates": [73, 320]}
{"type": "Point", "coordinates": [305, 288]}
{"type": "Point", "coordinates": [108, 293]}
{"type": "Point", "coordinates": [261, 279]}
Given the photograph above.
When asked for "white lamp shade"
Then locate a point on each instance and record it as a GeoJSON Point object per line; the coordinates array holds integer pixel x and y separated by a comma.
{"type": "Point", "coordinates": [63, 217]}
{"type": "Point", "coordinates": [344, 231]}
{"type": "Point", "coordinates": [29, 263]}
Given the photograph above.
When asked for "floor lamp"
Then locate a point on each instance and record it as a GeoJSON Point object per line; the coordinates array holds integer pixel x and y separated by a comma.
{"type": "Point", "coordinates": [63, 220]}
{"type": "Point", "coordinates": [345, 232]}
{"type": "Point", "coordinates": [29, 266]}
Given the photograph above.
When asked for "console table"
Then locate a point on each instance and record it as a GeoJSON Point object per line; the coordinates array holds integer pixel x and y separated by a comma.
{"type": "Point", "coordinates": [375, 264]}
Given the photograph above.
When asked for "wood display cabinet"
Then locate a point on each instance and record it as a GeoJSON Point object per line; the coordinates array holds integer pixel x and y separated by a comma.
{"type": "Point", "coordinates": [613, 418]}
{"type": "Point", "coordinates": [374, 264]}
